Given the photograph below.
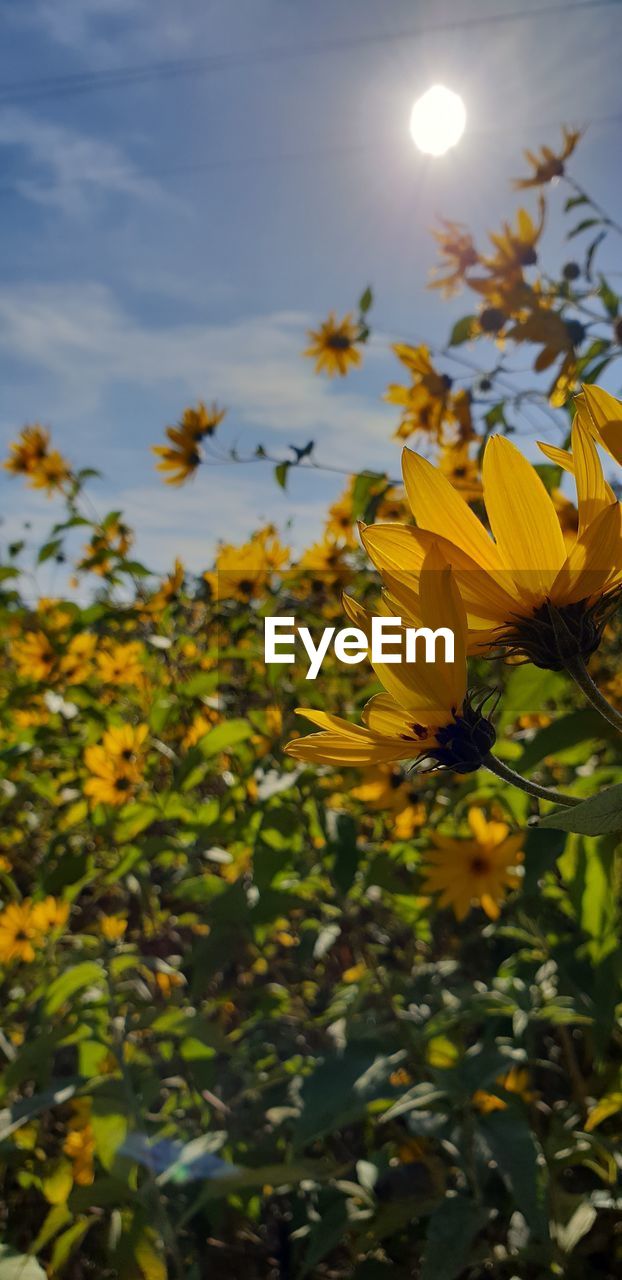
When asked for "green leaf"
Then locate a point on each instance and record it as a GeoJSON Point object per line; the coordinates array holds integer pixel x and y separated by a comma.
{"type": "Point", "coordinates": [366, 299]}
{"type": "Point", "coordinates": [578, 726]}
{"type": "Point", "coordinates": [109, 1128]}
{"type": "Point", "coordinates": [597, 816]}
{"type": "Point", "coordinates": [542, 850]}
{"type": "Point", "coordinates": [528, 689]}
{"type": "Point", "coordinates": [136, 818]}
{"type": "Point", "coordinates": [462, 331]}
{"type": "Point", "coordinates": [280, 473]}
{"type": "Point", "coordinates": [368, 486]}
{"type": "Point", "coordinates": [512, 1146]}
{"type": "Point", "coordinates": [583, 226]}
{"type": "Point", "coordinates": [14, 1117]}
{"type": "Point", "coordinates": [452, 1230]}
{"type": "Point", "coordinates": [87, 974]}
{"type": "Point", "coordinates": [611, 301]}
{"type": "Point", "coordinates": [346, 852]}
{"type": "Point", "coordinates": [224, 736]}
{"type": "Point", "coordinates": [340, 1088]}
{"type": "Point", "coordinates": [67, 1244]}
{"type": "Point", "coordinates": [573, 201]}
{"type": "Point", "coordinates": [18, 1266]}
{"type": "Point", "coordinates": [49, 549]}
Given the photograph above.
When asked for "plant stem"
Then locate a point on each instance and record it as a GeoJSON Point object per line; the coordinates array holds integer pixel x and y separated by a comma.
{"type": "Point", "coordinates": [581, 676]}
{"type": "Point", "coordinates": [503, 771]}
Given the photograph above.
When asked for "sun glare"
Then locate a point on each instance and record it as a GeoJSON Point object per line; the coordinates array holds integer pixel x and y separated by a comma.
{"type": "Point", "coordinates": [437, 120]}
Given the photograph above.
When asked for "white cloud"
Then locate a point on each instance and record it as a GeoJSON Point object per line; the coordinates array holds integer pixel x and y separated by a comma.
{"type": "Point", "coordinates": [65, 166]}
{"type": "Point", "coordinates": [75, 346]}
{"type": "Point", "coordinates": [87, 344]}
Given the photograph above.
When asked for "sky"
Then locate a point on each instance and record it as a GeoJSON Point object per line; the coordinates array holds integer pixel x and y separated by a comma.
{"type": "Point", "coordinates": [170, 234]}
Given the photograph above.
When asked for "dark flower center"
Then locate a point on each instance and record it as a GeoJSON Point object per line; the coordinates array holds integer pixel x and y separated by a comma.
{"type": "Point", "coordinates": [479, 866]}
{"type": "Point", "coordinates": [464, 743]}
{"type": "Point", "coordinates": [552, 636]}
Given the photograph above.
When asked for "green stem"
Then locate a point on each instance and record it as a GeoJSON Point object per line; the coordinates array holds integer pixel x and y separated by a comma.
{"type": "Point", "coordinates": [503, 771]}
{"type": "Point", "coordinates": [581, 676]}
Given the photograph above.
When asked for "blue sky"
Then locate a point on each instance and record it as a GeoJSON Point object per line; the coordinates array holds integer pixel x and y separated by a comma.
{"type": "Point", "coordinates": [173, 237]}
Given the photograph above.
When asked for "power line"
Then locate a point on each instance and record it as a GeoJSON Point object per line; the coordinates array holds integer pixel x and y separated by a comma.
{"type": "Point", "coordinates": [18, 91]}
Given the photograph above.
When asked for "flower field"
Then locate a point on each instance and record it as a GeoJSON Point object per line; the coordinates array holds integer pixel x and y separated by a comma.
{"type": "Point", "coordinates": [322, 979]}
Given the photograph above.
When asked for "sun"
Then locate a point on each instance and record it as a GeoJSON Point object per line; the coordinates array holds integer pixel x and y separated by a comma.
{"type": "Point", "coordinates": [437, 120]}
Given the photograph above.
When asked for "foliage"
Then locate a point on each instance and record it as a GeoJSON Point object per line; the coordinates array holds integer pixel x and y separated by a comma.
{"type": "Point", "coordinates": [243, 1035]}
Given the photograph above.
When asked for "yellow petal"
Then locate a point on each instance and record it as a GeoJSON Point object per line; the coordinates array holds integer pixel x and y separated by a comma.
{"type": "Point", "coordinates": [606, 415]}
{"type": "Point", "coordinates": [398, 552]}
{"type": "Point", "coordinates": [560, 457]}
{"type": "Point", "coordinates": [522, 517]}
{"type": "Point", "coordinates": [382, 715]}
{"type": "Point", "coordinates": [437, 506]}
{"type": "Point", "coordinates": [595, 563]}
{"type": "Point", "coordinates": [593, 494]}
{"type": "Point", "coordinates": [441, 606]}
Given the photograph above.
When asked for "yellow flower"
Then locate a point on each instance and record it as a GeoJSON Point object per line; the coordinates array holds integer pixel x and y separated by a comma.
{"type": "Point", "coordinates": [50, 914]}
{"type": "Point", "coordinates": [387, 788]}
{"type": "Point", "coordinates": [516, 247]}
{"type": "Point", "coordinates": [392, 505]}
{"type": "Point", "coordinates": [79, 1144]}
{"type": "Point", "coordinates": [340, 523]}
{"type": "Point", "coordinates": [34, 656]}
{"type": "Point", "coordinates": [426, 402]}
{"type": "Point", "coordinates": [30, 456]}
{"type": "Point", "coordinates": [466, 872]}
{"type": "Point", "coordinates": [354, 973]}
{"type": "Point", "coordinates": [524, 591]}
{"type": "Point", "coordinates": [461, 470]}
{"type": "Point", "coordinates": [112, 928]}
{"type": "Point", "coordinates": [115, 765]}
{"type": "Point", "coordinates": [121, 663]}
{"type": "Point", "coordinates": [546, 164]}
{"type": "Point", "coordinates": [458, 254]}
{"type": "Point", "coordinates": [334, 346]}
{"type": "Point", "coordinates": [19, 933]}
{"type": "Point", "coordinates": [202, 421]}
{"type": "Point", "coordinates": [182, 456]}
{"type": "Point", "coordinates": [112, 538]}
{"type": "Point", "coordinates": [423, 712]}
{"type": "Point", "coordinates": [168, 591]}
{"type": "Point", "coordinates": [77, 662]}
{"type": "Point", "coordinates": [325, 563]}
{"type": "Point", "coordinates": [516, 1080]}
{"type": "Point", "coordinates": [28, 451]}
{"type": "Point", "coordinates": [240, 573]}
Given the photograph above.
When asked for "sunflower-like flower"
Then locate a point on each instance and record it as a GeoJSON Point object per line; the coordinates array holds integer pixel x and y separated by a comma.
{"type": "Point", "coordinates": [477, 871]}
{"type": "Point", "coordinates": [34, 657]}
{"type": "Point", "coordinates": [461, 470]}
{"type": "Point", "coordinates": [458, 255]}
{"type": "Point", "coordinates": [424, 712]}
{"type": "Point", "coordinates": [183, 455]}
{"type": "Point", "coordinates": [548, 164]}
{"type": "Point", "coordinates": [31, 456]}
{"type": "Point", "coordinates": [19, 933]}
{"type": "Point", "coordinates": [115, 764]}
{"type": "Point", "coordinates": [426, 403]}
{"type": "Point", "coordinates": [515, 247]}
{"type": "Point", "coordinates": [335, 346]}
{"type": "Point", "coordinates": [524, 592]}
